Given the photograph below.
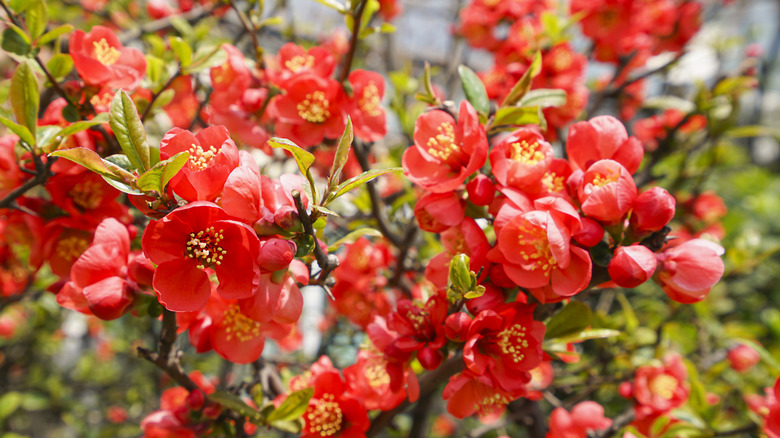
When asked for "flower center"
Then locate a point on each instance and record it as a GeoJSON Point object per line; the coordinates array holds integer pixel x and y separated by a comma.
{"type": "Point", "coordinates": [324, 418]}
{"type": "Point", "coordinates": [370, 100]}
{"type": "Point", "coordinates": [602, 180]}
{"type": "Point", "coordinates": [101, 100]}
{"type": "Point", "coordinates": [527, 153]}
{"type": "Point", "coordinates": [377, 375]}
{"type": "Point", "coordinates": [86, 195]}
{"type": "Point", "coordinates": [539, 256]}
{"type": "Point", "coordinates": [443, 145]}
{"type": "Point", "coordinates": [314, 108]}
{"type": "Point", "coordinates": [240, 325]}
{"type": "Point", "coordinates": [663, 386]}
{"type": "Point", "coordinates": [204, 247]}
{"type": "Point", "coordinates": [298, 62]}
{"type": "Point", "coordinates": [71, 247]}
{"type": "Point", "coordinates": [104, 53]}
{"type": "Point", "coordinates": [488, 400]}
{"type": "Point", "coordinates": [417, 319]}
{"type": "Point", "coordinates": [200, 158]}
{"type": "Point", "coordinates": [562, 60]}
{"type": "Point", "coordinates": [553, 182]}
{"type": "Point", "coordinates": [512, 342]}
{"type": "Point", "coordinates": [301, 381]}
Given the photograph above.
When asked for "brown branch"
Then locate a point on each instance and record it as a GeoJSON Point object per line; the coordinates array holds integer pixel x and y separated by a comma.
{"type": "Point", "coordinates": [167, 358]}
{"type": "Point", "coordinates": [158, 93]}
{"type": "Point", "coordinates": [42, 174]}
{"type": "Point", "coordinates": [357, 17]}
{"type": "Point", "coordinates": [361, 153]}
{"type": "Point", "coordinates": [428, 384]}
{"type": "Point", "coordinates": [250, 28]}
{"type": "Point", "coordinates": [327, 262]}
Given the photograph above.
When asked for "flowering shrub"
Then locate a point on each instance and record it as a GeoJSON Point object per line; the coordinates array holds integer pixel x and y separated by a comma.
{"type": "Point", "coordinates": [379, 252]}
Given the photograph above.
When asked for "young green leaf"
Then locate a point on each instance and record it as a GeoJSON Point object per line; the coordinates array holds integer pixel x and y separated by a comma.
{"type": "Point", "coordinates": [60, 65]}
{"type": "Point", "coordinates": [543, 97]}
{"type": "Point", "coordinates": [516, 116]}
{"type": "Point", "coordinates": [22, 131]}
{"type": "Point", "coordinates": [129, 130]}
{"type": "Point", "coordinates": [302, 157]}
{"type": "Point", "coordinates": [156, 178]}
{"type": "Point", "coordinates": [15, 41]}
{"type": "Point", "coordinates": [36, 18]}
{"type": "Point", "coordinates": [572, 319]}
{"type": "Point", "coordinates": [361, 179]}
{"type": "Point", "coordinates": [292, 407]}
{"type": "Point", "coordinates": [181, 50]}
{"type": "Point", "coordinates": [342, 154]}
{"type": "Point", "coordinates": [25, 97]}
{"type": "Point", "coordinates": [55, 33]}
{"type": "Point", "coordinates": [524, 84]}
{"type": "Point", "coordinates": [234, 403]}
{"type": "Point", "coordinates": [474, 89]}
{"type": "Point", "coordinates": [89, 159]}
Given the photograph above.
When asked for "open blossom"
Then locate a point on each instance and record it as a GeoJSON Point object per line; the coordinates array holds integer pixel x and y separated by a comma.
{"type": "Point", "coordinates": [213, 155]}
{"type": "Point", "coordinates": [600, 138]}
{"type": "Point", "coordinates": [521, 159]}
{"type": "Point", "coordinates": [293, 61]}
{"type": "Point", "coordinates": [689, 270]}
{"type": "Point", "coordinates": [333, 411]}
{"type": "Point", "coordinates": [587, 416]}
{"type": "Point", "coordinates": [101, 59]}
{"type": "Point", "coordinates": [369, 381]}
{"type": "Point", "coordinates": [506, 344]}
{"type": "Point", "coordinates": [468, 393]}
{"type": "Point", "coordinates": [365, 106]}
{"type": "Point", "coordinates": [657, 389]}
{"type": "Point", "coordinates": [193, 239]}
{"type": "Point", "coordinates": [446, 151]}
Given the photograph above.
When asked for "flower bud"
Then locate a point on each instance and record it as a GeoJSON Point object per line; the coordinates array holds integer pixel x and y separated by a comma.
{"type": "Point", "coordinates": [632, 265]}
{"type": "Point", "coordinates": [689, 270]}
{"type": "Point", "coordinates": [652, 210]}
{"type": "Point", "coordinates": [456, 326]}
{"type": "Point", "coordinates": [591, 233]}
{"type": "Point", "coordinates": [286, 218]}
{"type": "Point", "coordinates": [195, 400]}
{"type": "Point", "coordinates": [212, 410]}
{"type": "Point", "coordinates": [430, 358]}
{"type": "Point", "coordinates": [481, 190]}
{"type": "Point", "coordinates": [276, 254]}
{"type": "Point", "coordinates": [743, 358]}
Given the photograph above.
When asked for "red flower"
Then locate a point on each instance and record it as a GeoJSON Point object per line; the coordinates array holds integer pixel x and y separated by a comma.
{"type": "Point", "coordinates": [689, 270]}
{"type": "Point", "coordinates": [632, 265]}
{"type": "Point", "coordinates": [435, 212]}
{"type": "Point", "coordinates": [294, 61]}
{"type": "Point", "coordinates": [652, 210]}
{"type": "Point", "coordinates": [369, 381]}
{"type": "Point", "coordinates": [311, 110]}
{"type": "Point", "coordinates": [101, 59]}
{"type": "Point", "coordinates": [607, 191]}
{"type": "Point", "coordinates": [332, 411]}
{"type": "Point", "coordinates": [521, 160]}
{"type": "Point", "coordinates": [585, 417]}
{"type": "Point", "coordinates": [446, 152]}
{"type": "Point", "coordinates": [602, 137]}
{"type": "Point", "coordinates": [368, 116]}
{"type": "Point", "coordinates": [192, 239]}
{"type": "Point", "coordinates": [506, 344]}
{"type": "Point", "coordinates": [659, 389]}
{"type": "Point", "coordinates": [213, 155]}
{"type": "Point", "coordinates": [743, 358]}
{"type": "Point", "coordinates": [468, 393]}
{"type": "Point", "coordinates": [98, 283]}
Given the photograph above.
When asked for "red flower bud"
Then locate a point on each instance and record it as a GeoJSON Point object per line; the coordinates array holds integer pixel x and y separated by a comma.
{"type": "Point", "coordinates": [212, 410]}
{"type": "Point", "coordinates": [632, 265]}
{"type": "Point", "coordinates": [743, 358]}
{"type": "Point", "coordinates": [590, 234]}
{"type": "Point", "coordinates": [456, 326]}
{"type": "Point", "coordinates": [481, 190]}
{"type": "Point", "coordinates": [430, 358]}
{"type": "Point", "coordinates": [195, 400]}
{"type": "Point", "coordinates": [652, 210]}
{"type": "Point", "coordinates": [276, 254]}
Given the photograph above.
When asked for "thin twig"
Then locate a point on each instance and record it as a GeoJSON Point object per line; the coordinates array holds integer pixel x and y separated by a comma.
{"type": "Point", "coordinates": [327, 262]}
{"type": "Point", "coordinates": [166, 358]}
{"type": "Point", "coordinates": [357, 16]}
{"type": "Point", "coordinates": [158, 93]}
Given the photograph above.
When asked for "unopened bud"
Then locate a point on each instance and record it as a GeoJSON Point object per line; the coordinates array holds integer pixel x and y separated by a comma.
{"type": "Point", "coordinates": [632, 265]}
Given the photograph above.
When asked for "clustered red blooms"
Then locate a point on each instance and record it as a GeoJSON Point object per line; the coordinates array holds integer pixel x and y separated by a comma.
{"type": "Point", "coordinates": [562, 68]}
{"type": "Point", "coordinates": [768, 408]}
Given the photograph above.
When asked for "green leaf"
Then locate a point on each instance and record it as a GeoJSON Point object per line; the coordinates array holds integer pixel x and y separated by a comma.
{"type": "Point", "coordinates": [206, 57]}
{"type": "Point", "coordinates": [55, 33]}
{"type": "Point", "coordinates": [83, 125]}
{"type": "Point", "coordinates": [234, 403]}
{"type": "Point", "coordinates": [15, 41]}
{"type": "Point", "coordinates": [361, 179]}
{"type": "Point", "coordinates": [460, 273]}
{"type": "Point", "coordinates": [25, 97]}
{"type": "Point", "coordinates": [589, 334]}
{"type": "Point", "coordinates": [288, 426]}
{"type": "Point", "coordinates": [181, 50]}
{"type": "Point", "coordinates": [9, 402]}
{"type": "Point", "coordinates": [154, 70]}
{"type": "Point", "coordinates": [474, 89]}
{"type": "Point", "coordinates": [544, 98]}
{"type": "Point", "coordinates": [121, 161]}
{"type": "Point", "coordinates": [669, 102]}
{"type": "Point", "coordinates": [734, 85]}
{"type": "Point", "coordinates": [24, 134]}
{"type": "Point", "coordinates": [570, 320]}
{"type": "Point", "coordinates": [129, 131]}
{"type": "Point", "coordinates": [164, 98]}
{"type": "Point", "coordinates": [292, 407]}
{"type": "Point", "coordinates": [512, 115]}
{"type": "Point", "coordinates": [36, 18]}
{"type": "Point", "coordinates": [753, 131]}
{"type": "Point", "coordinates": [303, 158]}
{"type": "Point", "coordinates": [60, 65]}
{"type": "Point", "coordinates": [353, 237]}
{"type": "Point", "coordinates": [342, 154]}
{"type": "Point", "coordinates": [122, 186]}
{"type": "Point", "coordinates": [524, 83]}
{"type": "Point", "coordinates": [156, 178]}
{"type": "Point", "coordinates": [89, 159]}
